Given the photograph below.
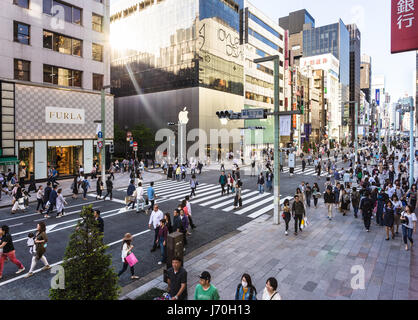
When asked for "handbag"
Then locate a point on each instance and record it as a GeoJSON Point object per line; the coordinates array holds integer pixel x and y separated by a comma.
{"type": "Point", "coordinates": [131, 260]}
{"type": "Point", "coordinates": [21, 201]}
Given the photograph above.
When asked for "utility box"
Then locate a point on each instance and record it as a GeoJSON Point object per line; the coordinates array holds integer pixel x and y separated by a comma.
{"type": "Point", "coordinates": [175, 247]}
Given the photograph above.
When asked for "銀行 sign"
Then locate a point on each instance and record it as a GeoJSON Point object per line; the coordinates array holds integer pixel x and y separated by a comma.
{"type": "Point", "coordinates": [404, 26]}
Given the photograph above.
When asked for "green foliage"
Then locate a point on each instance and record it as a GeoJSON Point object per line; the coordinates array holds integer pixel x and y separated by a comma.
{"type": "Point", "coordinates": [305, 147]}
{"type": "Point", "coordinates": [151, 294]}
{"type": "Point", "coordinates": [344, 144]}
{"type": "Point", "coordinates": [140, 133]}
{"type": "Point", "coordinates": [384, 149]}
{"type": "Point", "coordinates": [88, 269]}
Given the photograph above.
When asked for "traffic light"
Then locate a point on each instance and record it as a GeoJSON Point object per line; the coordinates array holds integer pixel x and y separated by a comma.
{"type": "Point", "coordinates": [112, 149]}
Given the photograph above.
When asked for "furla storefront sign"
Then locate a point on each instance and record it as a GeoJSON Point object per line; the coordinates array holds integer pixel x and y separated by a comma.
{"type": "Point", "coordinates": [64, 115]}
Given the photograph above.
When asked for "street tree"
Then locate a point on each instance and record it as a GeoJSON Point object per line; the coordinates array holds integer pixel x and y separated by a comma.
{"type": "Point", "coordinates": [88, 270]}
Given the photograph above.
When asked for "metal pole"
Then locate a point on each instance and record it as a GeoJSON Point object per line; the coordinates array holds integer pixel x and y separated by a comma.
{"type": "Point", "coordinates": [103, 127]}
{"type": "Point", "coordinates": [356, 131]}
{"type": "Point", "coordinates": [378, 132]}
{"type": "Point", "coordinates": [411, 148]}
{"type": "Point", "coordinates": [276, 142]}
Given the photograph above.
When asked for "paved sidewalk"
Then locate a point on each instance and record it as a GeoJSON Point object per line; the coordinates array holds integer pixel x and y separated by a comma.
{"type": "Point", "coordinates": [121, 180]}
{"type": "Point", "coordinates": [316, 264]}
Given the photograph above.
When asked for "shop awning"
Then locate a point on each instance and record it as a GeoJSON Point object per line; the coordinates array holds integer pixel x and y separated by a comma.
{"type": "Point", "coordinates": [8, 161]}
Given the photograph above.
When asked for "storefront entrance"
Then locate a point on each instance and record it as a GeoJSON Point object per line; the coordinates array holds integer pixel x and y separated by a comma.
{"type": "Point", "coordinates": [66, 159]}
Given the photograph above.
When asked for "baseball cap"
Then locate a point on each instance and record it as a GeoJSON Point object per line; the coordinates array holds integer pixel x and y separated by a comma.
{"type": "Point", "coordinates": [205, 276]}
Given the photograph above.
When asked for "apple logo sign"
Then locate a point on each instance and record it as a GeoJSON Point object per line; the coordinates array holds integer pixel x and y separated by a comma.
{"type": "Point", "coordinates": [183, 118]}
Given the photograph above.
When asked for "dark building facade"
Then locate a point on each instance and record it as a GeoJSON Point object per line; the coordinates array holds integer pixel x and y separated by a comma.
{"type": "Point", "coordinates": [366, 76]}
{"type": "Point", "coordinates": [355, 61]}
{"type": "Point", "coordinates": [295, 21]}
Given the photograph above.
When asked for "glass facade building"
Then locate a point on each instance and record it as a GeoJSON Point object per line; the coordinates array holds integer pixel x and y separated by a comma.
{"type": "Point", "coordinates": [334, 39]}
{"type": "Point", "coordinates": [172, 45]}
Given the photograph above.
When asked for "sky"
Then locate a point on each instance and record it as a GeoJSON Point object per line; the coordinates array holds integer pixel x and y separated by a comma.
{"type": "Point", "coordinates": [373, 19]}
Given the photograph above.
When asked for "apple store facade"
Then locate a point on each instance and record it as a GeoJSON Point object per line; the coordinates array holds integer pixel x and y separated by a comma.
{"type": "Point", "coordinates": [177, 54]}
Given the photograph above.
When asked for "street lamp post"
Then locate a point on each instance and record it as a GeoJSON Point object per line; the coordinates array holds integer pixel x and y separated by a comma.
{"type": "Point", "coordinates": [103, 129]}
{"type": "Point", "coordinates": [355, 127]}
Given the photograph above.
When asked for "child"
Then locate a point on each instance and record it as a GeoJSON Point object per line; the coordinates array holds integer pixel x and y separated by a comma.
{"type": "Point", "coordinates": [31, 244]}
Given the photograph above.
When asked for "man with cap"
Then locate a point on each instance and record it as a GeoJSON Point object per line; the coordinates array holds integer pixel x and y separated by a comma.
{"type": "Point", "coordinates": [205, 290]}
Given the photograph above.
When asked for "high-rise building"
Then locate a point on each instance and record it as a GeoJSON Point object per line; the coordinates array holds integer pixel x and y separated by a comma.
{"type": "Point", "coordinates": [355, 49]}
{"type": "Point", "coordinates": [366, 76]}
{"type": "Point", "coordinates": [172, 54]}
{"type": "Point", "coordinates": [296, 20]}
{"type": "Point", "coordinates": [53, 63]}
{"type": "Point", "coordinates": [259, 80]}
{"type": "Point", "coordinates": [334, 39]}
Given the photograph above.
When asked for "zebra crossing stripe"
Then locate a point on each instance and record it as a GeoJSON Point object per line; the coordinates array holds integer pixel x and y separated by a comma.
{"type": "Point", "coordinates": [266, 209]}
{"type": "Point", "coordinates": [227, 203]}
{"type": "Point", "coordinates": [199, 200]}
{"type": "Point", "coordinates": [175, 192]}
{"type": "Point", "coordinates": [209, 194]}
{"type": "Point", "coordinates": [202, 190]}
{"type": "Point", "coordinates": [260, 196]}
{"type": "Point", "coordinates": [220, 198]}
{"type": "Point", "coordinates": [170, 186]}
{"type": "Point", "coordinates": [240, 212]}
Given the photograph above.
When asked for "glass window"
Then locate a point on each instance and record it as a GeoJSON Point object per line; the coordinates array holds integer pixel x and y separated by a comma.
{"type": "Point", "coordinates": [21, 32]}
{"type": "Point", "coordinates": [97, 52]}
{"type": "Point", "coordinates": [26, 156]}
{"type": "Point", "coordinates": [62, 44]}
{"type": "Point", "coordinates": [97, 22]}
{"type": "Point", "coordinates": [263, 39]}
{"type": "Point", "coordinates": [68, 14]}
{"type": "Point", "coordinates": [46, 6]}
{"type": "Point", "coordinates": [76, 15]}
{"type": "Point", "coordinates": [64, 77]}
{"type": "Point", "coordinates": [265, 25]}
{"type": "Point", "coordinates": [22, 70]}
{"type": "Point", "coordinates": [22, 3]}
{"type": "Point", "coordinates": [97, 81]}
{"type": "Point", "coordinates": [77, 78]}
{"type": "Point", "coordinates": [77, 47]}
{"type": "Point", "coordinates": [50, 75]}
{"type": "Point", "coordinates": [48, 39]}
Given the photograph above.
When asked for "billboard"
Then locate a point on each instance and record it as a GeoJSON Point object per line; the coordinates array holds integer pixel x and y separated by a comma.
{"type": "Point", "coordinates": [404, 26]}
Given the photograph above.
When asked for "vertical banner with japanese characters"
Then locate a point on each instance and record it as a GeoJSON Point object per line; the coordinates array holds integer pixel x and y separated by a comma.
{"type": "Point", "coordinates": [404, 26]}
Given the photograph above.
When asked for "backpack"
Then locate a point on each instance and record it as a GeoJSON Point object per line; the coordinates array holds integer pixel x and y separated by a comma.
{"type": "Point", "coordinates": [84, 184]}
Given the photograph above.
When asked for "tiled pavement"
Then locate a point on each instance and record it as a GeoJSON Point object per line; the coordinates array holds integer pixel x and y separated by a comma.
{"type": "Point", "coordinates": [316, 264]}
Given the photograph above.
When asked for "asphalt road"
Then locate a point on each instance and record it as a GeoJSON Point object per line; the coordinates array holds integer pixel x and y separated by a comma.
{"type": "Point", "coordinates": [212, 214]}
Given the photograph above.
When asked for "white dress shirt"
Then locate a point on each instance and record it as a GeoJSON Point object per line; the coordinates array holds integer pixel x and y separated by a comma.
{"type": "Point", "coordinates": [155, 218]}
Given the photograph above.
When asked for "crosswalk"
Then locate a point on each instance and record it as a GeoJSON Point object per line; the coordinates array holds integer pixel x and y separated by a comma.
{"type": "Point", "coordinates": [209, 196]}
{"type": "Point", "coordinates": [307, 172]}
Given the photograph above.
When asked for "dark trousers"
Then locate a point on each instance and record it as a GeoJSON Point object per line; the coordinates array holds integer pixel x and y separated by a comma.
{"type": "Point", "coordinates": [379, 217]}
{"type": "Point", "coordinates": [237, 201]}
{"type": "Point", "coordinates": [125, 267]}
{"type": "Point", "coordinates": [51, 207]}
{"type": "Point", "coordinates": [109, 193]}
{"type": "Point", "coordinates": [84, 193]}
{"type": "Point", "coordinates": [367, 220]}
{"type": "Point", "coordinates": [184, 237]}
{"type": "Point", "coordinates": [298, 222]}
{"type": "Point", "coordinates": [308, 201]}
{"type": "Point", "coordinates": [315, 201]}
{"type": "Point", "coordinates": [223, 189]}
{"type": "Point", "coordinates": [193, 192]}
{"type": "Point", "coordinates": [191, 222]}
{"type": "Point", "coordinates": [286, 221]}
{"type": "Point", "coordinates": [155, 238]}
{"type": "Point", "coordinates": [40, 204]}
{"type": "Point", "coordinates": [99, 193]}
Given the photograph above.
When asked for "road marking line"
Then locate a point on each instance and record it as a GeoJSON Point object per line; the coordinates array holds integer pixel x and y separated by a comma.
{"type": "Point", "coordinates": [211, 197]}
{"type": "Point", "coordinates": [220, 198]}
{"type": "Point", "coordinates": [267, 209]}
{"type": "Point", "coordinates": [240, 212]}
{"type": "Point", "coordinates": [60, 262]}
{"type": "Point", "coordinates": [200, 191]}
{"type": "Point", "coordinates": [174, 191]}
{"type": "Point", "coordinates": [260, 196]}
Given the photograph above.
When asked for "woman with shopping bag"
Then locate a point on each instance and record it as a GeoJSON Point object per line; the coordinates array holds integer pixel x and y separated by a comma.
{"type": "Point", "coordinates": [18, 199]}
{"type": "Point", "coordinates": [128, 258]}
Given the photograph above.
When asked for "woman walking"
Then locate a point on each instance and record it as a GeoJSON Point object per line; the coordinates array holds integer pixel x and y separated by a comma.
{"type": "Point", "coordinates": [168, 223]}
{"type": "Point", "coordinates": [40, 198]}
{"type": "Point", "coordinates": [74, 186]}
{"type": "Point", "coordinates": [345, 202]}
{"type": "Point", "coordinates": [316, 193]}
{"type": "Point", "coordinates": [193, 185]}
{"type": "Point", "coordinates": [40, 242]}
{"type": "Point", "coordinates": [162, 240]}
{"type": "Point", "coordinates": [99, 188]}
{"type": "Point", "coordinates": [60, 204]}
{"type": "Point", "coordinates": [8, 251]}
{"type": "Point", "coordinates": [270, 291]}
{"type": "Point", "coordinates": [398, 207]}
{"type": "Point", "coordinates": [126, 251]}
{"type": "Point", "coordinates": [412, 197]}
{"type": "Point", "coordinates": [238, 197]}
{"type": "Point", "coordinates": [229, 183]}
{"type": "Point", "coordinates": [389, 219]}
{"type": "Point", "coordinates": [287, 216]}
{"type": "Point", "coordinates": [246, 290]}
{"type": "Point", "coordinates": [18, 201]}
{"type": "Point", "coordinates": [301, 196]}
{"type": "Point", "coordinates": [409, 226]}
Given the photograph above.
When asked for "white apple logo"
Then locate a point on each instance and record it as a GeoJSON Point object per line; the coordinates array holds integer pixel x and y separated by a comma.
{"type": "Point", "coordinates": [183, 118]}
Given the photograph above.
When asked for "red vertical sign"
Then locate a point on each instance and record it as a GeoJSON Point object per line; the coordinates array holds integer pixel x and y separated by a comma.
{"type": "Point", "coordinates": [404, 26]}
